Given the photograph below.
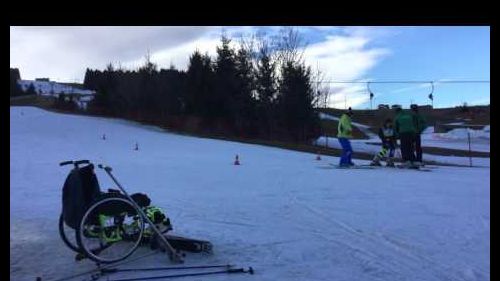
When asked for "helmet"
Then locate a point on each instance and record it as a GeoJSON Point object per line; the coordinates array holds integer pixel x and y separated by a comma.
{"type": "Point", "coordinates": [349, 111]}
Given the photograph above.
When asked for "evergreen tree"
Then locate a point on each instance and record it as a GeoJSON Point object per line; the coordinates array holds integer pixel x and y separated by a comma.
{"type": "Point", "coordinates": [295, 102]}
{"type": "Point", "coordinates": [243, 101]}
{"type": "Point", "coordinates": [199, 98]}
{"type": "Point", "coordinates": [226, 82]}
{"type": "Point", "coordinates": [266, 92]}
{"type": "Point", "coordinates": [15, 89]}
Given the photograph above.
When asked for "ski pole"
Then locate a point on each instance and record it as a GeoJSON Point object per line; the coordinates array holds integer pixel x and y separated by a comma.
{"type": "Point", "coordinates": [228, 271]}
{"type": "Point", "coordinates": [99, 268]}
{"type": "Point", "coordinates": [113, 270]}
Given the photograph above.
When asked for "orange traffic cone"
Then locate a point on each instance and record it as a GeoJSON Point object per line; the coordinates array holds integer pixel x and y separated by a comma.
{"type": "Point", "coordinates": [318, 157]}
{"type": "Point", "coordinates": [237, 160]}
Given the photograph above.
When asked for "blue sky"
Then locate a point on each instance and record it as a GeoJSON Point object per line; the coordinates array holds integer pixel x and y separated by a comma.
{"type": "Point", "coordinates": [434, 53]}
{"type": "Point", "coordinates": [341, 53]}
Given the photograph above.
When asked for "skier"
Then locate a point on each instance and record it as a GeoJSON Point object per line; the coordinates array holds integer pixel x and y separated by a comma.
{"type": "Point", "coordinates": [404, 128]}
{"type": "Point", "coordinates": [386, 134]}
{"type": "Point", "coordinates": [344, 134]}
{"type": "Point", "coordinates": [420, 125]}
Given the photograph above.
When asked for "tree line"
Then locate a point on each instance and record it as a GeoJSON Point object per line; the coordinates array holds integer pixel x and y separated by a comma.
{"type": "Point", "coordinates": [15, 89]}
{"type": "Point", "coordinates": [259, 88]}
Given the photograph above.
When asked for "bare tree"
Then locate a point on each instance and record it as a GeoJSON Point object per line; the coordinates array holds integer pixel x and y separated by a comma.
{"type": "Point", "coordinates": [290, 46]}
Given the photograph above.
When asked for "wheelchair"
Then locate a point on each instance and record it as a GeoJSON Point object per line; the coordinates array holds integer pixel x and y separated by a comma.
{"type": "Point", "coordinates": [107, 227]}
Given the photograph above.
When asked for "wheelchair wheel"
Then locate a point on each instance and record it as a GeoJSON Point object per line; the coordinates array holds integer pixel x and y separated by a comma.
{"type": "Point", "coordinates": [110, 230]}
{"type": "Point", "coordinates": [68, 235]}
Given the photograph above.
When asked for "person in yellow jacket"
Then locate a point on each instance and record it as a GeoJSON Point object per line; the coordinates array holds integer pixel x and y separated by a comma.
{"type": "Point", "coordinates": [344, 134]}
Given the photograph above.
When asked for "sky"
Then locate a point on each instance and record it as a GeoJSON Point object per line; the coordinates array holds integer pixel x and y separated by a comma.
{"type": "Point", "coordinates": [355, 53]}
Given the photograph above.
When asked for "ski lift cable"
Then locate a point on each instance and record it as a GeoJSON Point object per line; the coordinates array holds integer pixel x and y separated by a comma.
{"type": "Point", "coordinates": [370, 92]}
{"type": "Point", "coordinates": [404, 82]}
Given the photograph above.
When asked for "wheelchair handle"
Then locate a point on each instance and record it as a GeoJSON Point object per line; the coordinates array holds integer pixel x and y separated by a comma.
{"type": "Point", "coordinates": [76, 163]}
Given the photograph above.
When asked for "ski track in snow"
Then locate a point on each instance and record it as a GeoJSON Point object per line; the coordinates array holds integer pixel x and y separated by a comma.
{"type": "Point", "coordinates": [277, 212]}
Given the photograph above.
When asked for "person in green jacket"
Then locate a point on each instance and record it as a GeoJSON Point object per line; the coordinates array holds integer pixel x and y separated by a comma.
{"type": "Point", "coordinates": [344, 134]}
{"type": "Point", "coordinates": [405, 130]}
{"type": "Point", "coordinates": [420, 125]}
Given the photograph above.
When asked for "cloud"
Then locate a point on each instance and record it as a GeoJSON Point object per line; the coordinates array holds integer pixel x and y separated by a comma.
{"type": "Point", "coordinates": [63, 53]}
{"type": "Point", "coordinates": [345, 57]}
{"type": "Point", "coordinates": [419, 86]}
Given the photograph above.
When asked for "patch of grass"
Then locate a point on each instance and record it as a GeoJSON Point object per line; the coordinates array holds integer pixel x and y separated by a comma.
{"type": "Point", "coordinates": [32, 100]}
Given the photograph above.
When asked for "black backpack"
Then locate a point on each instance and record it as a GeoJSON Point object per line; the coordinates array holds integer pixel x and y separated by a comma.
{"type": "Point", "coordinates": [80, 189]}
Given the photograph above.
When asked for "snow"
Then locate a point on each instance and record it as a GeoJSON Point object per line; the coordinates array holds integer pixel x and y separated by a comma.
{"type": "Point", "coordinates": [462, 134]}
{"type": "Point", "coordinates": [458, 139]}
{"type": "Point", "coordinates": [281, 212]}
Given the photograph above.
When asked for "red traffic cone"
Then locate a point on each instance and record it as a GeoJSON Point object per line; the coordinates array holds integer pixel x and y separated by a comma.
{"type": "Point", "coordinates": [318, 157]}
{"type": "Point", "coordinates": [237, 160]}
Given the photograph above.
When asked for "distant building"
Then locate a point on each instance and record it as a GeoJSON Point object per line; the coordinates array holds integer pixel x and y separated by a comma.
{"type": "Point", "coordinates": [425, 107]}
{"type": "Point", "coordinates": [48, 88]}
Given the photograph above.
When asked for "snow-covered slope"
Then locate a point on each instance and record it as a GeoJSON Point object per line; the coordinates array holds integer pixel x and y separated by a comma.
{"type": "Point", "coordinates": [281, 211]}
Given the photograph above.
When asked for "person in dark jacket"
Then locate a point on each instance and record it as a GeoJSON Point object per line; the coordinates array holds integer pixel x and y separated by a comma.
{"type": "Point", "coordinates": [404, 128]}
{"type": "Point", "coordinates": [388, 138]}
{"type": "Point", "coordinates": [420, 125]}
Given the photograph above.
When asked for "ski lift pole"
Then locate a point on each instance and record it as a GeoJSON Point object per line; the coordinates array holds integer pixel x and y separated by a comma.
{"type": "Point", "coordinates": [371, 94]}
{"type": "Point", "coordinates": [470, 151]}
{"type": "Point", "coordinates": [431, 96]}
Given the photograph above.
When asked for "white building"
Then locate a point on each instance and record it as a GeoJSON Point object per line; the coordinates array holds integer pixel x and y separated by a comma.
{"type": "Point", "coordinates": [50, 88]}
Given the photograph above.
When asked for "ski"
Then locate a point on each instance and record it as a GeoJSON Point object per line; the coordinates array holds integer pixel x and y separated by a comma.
{"type": "Point", "coordinates": [368, 166]}
{"type": "Point", "coordinates": [189, 244]}
{"type": "Point", "coordinates": [182, 244]}
{"type": "Point", "coordinates": [337, 166]}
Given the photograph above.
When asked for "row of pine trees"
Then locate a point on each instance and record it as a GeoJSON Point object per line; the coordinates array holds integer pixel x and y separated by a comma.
{"type": "Point", "coordinates": [259, 88]}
